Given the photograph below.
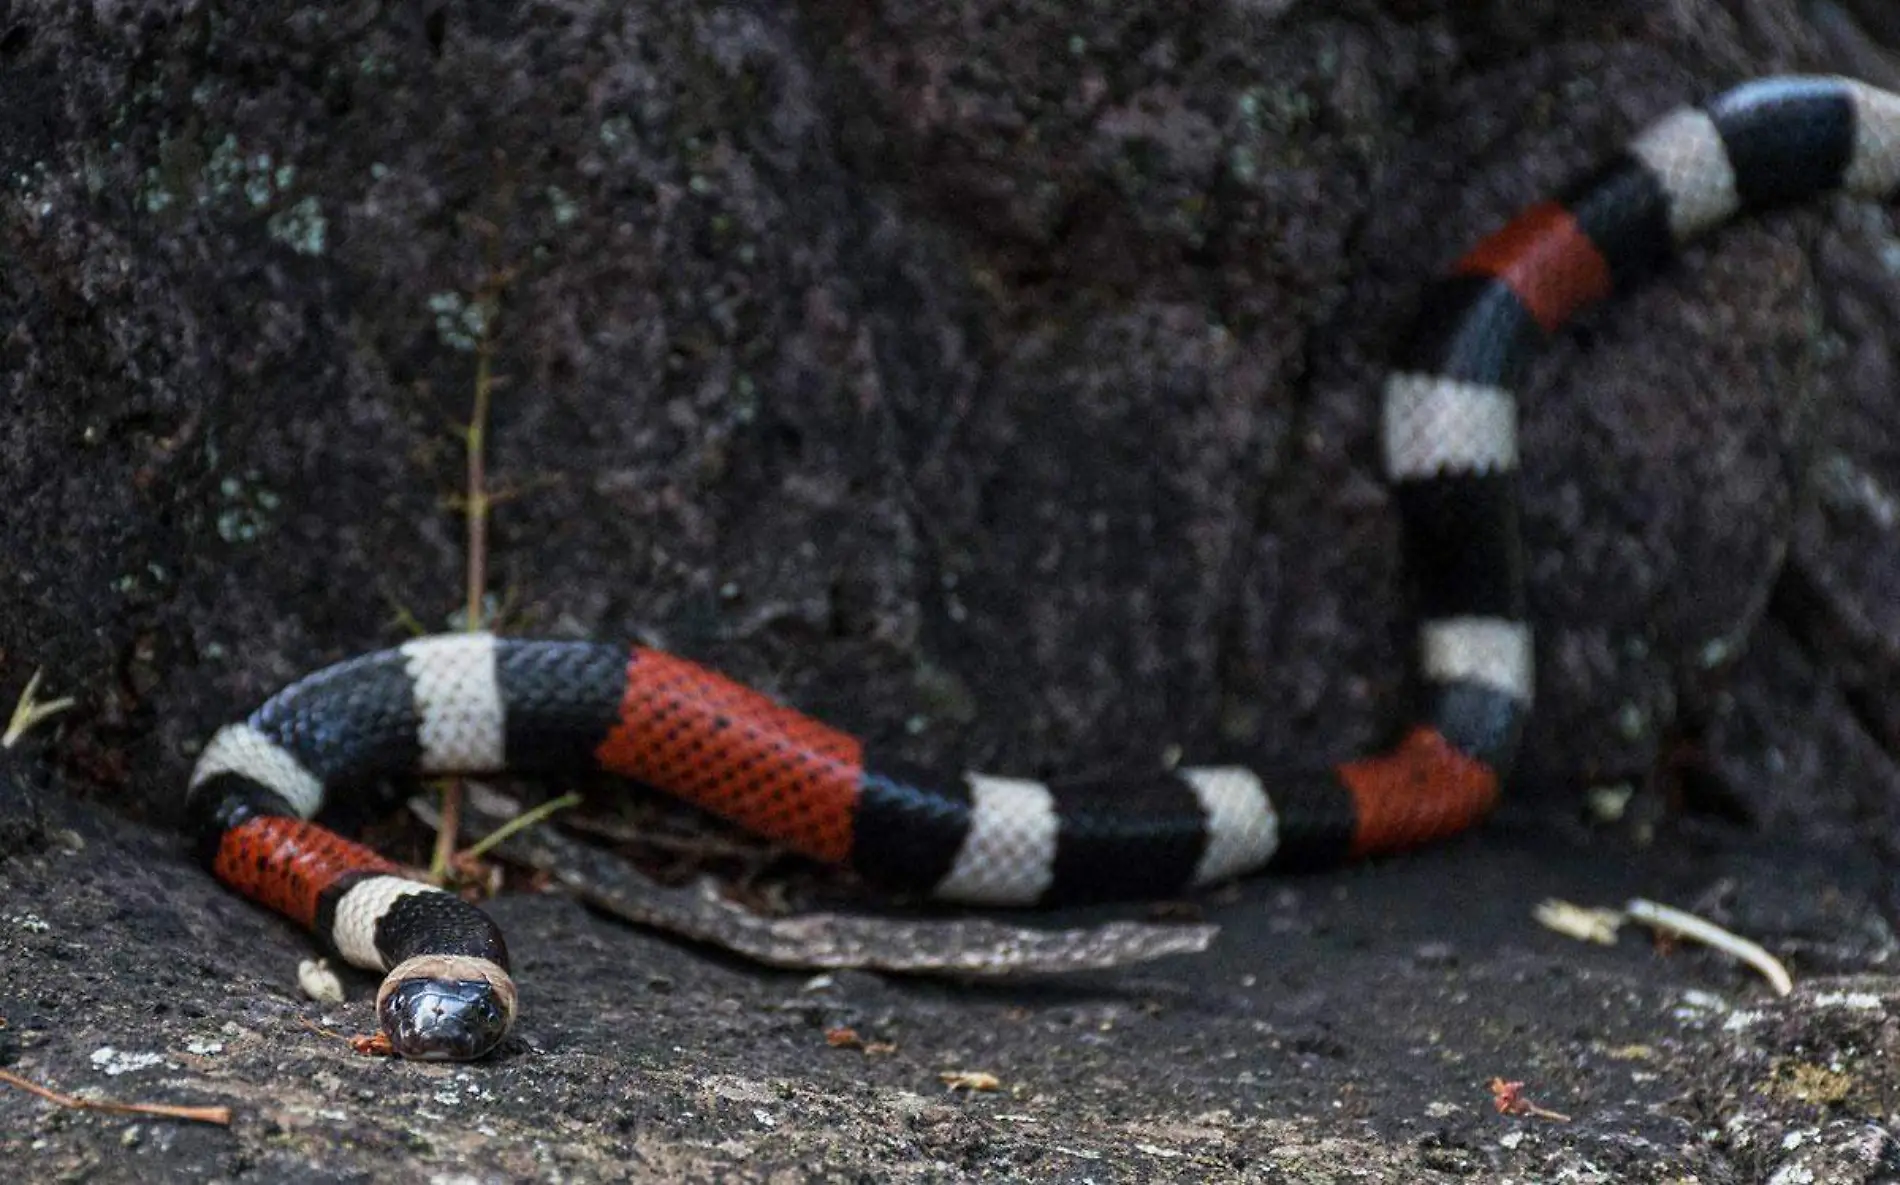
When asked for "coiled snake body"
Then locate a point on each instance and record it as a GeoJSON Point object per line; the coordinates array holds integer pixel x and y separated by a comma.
{"type": "Point", "coordinates": [480, 704]}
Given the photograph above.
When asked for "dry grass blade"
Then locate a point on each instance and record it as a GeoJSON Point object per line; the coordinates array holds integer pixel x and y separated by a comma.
{"type": "Point", "coordinates": [29, 712]}
{"type": "Point", "coordinates": [217, 1115]}
{"type": "Point", "coordinates": [1682, 924]}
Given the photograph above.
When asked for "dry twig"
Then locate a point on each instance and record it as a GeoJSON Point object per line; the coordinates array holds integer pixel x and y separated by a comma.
{"type": "Point", "coordinates": [1682, 924]}
{"type": "Point", "coordinates": [218, 1115]}
{"type": "Point", "coordinates": [475, 505]}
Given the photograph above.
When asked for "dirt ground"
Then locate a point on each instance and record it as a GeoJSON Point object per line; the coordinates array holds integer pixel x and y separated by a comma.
{"type": "Point", "coordinates": [993, 380]}
{"type": "Point", "coordinates": [1343, 1026]}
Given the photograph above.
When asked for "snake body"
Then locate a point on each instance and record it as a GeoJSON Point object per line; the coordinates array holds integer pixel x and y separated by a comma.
{"type": "Point", "coordinates": [481, 704]}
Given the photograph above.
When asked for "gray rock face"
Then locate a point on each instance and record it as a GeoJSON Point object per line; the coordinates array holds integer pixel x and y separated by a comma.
{"type": "Point", "coordinates": [996, 380]}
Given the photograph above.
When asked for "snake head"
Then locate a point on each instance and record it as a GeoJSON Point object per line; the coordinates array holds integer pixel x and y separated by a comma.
{"type": "Point", "coordinates": [446, 1008]}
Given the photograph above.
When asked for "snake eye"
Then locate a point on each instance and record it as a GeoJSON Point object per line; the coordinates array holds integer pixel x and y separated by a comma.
{"type": "Point", "coordinates": [443, 1020]}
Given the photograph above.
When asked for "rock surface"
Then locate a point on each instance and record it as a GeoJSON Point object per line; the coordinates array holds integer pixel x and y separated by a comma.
{"type": "Point", "coordinates": [995, 380]}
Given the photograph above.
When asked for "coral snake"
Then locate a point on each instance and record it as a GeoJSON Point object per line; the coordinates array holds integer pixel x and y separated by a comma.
{"type": "Point", "coordinates": [477, 703]}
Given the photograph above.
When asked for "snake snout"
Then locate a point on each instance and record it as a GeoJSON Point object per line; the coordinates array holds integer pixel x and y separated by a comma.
{"type": "Point", "coordinates": [443, 1020]}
